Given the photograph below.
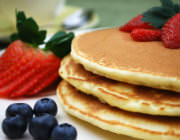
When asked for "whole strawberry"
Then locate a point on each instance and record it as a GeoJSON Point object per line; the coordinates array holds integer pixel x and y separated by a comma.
{"type": "Point", "coordinates": [171, 32]}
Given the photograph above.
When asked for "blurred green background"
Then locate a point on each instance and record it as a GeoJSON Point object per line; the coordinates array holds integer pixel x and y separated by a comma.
{"type": "Point", "coordinates": [116, 12]}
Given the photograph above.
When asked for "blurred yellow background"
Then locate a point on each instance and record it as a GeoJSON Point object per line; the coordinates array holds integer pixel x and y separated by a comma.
{"type": "Point", "coordinates": [52, 12]}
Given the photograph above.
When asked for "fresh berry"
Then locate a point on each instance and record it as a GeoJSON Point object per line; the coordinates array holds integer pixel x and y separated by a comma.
{"type": "Point", "coordinates": [136, 22]}
{"type": "Point", "coordinates": [13, 53]}
{"type": "Point", "coordinates": [41, 126]}
{"type": "Point", "coordinates": [41, 85]}
{"type": "Point", "coordinates": [171, 32]}
{"type": "Point", "coordinates": [14, 126]}
{"type": "Point", "coordinates": [33, 85]}
{"type": "Point", "coordinates": [45, 105]}
{"type": "Point", "coordinates": [21, 109]}
{"type": "Point", "coordinates": [27, 68]}
{"type": "Point", "coordinates": [10, 73]}
{"type": "Point", "coordinates": [146, 35]}
{"type": "Point", "coordinates": [64, 132]}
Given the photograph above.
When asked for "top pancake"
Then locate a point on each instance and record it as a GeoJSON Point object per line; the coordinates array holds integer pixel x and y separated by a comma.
{"type": "Point", "coordinates": [115, 55]}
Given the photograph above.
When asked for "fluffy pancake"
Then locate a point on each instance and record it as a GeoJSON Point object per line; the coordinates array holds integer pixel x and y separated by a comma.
{"type": "Point", "coordinates": [118, 94]}
{"type": "Point", "coordinates": [114, 54]}
{"type": "Point", "coordinates": [137, 125]}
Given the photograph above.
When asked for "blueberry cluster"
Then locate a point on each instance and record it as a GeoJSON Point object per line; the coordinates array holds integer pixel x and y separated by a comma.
{"type": "Point", "coordinates": [43, 125]}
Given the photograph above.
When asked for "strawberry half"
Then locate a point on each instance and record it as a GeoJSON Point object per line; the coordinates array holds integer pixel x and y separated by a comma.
{"type": "Point", "coordinates": [171, 32]}
{"type": "Point", "coordinates": [146, 35]}
{"type": "Point", "coordinates": [35, 81]}
{"type": "Point", "coordinates": [48, 79]}
{"type": "Point", "coordinates": [27, 68]}
{"type": "Point", "coordinates": [13, 53]}
{"type": "Point", "coordinates": [18, 68]}
{"type": "Point", "coordinates": [136, 22]}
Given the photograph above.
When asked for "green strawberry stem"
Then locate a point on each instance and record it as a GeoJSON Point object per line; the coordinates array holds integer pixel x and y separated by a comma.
{"type": "Point", "coordinates": [28, 31]}
{"type": "Point", "coordinates": [158, 16]}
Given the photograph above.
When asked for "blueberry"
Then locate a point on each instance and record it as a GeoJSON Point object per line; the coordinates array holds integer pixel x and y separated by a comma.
{"type": "Point", "coordinates": [40, 127]}
{"type": "Point", "coordinates": [64, 132]}
{"type": "Point", "coordinates": [22, 109]}
{"type": "Point", "coordinates": [14, 126]}
{"type": "Point", "coordinates": [45, 105]}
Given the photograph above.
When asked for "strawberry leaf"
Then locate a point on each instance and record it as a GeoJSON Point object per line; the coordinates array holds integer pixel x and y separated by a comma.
{"type": "Point", "coordinates": [155, 21]}
{"type": "Point", "coordinates": [167, 3]}
{"type": "Point", "coordinates": [158, 16]}
{"type": "Point", "coordinates": [28, 30]}
{"type": "Point", "coordinates": [20, 16]}
{"type": "Point", "coordinates": [60, 43]}
{"type": "Point", "coordinates": [177, 8]}
{"type": "Point", "coordinates": [164, 12]}
{"type": "Point", "coordinates": [14, 37]}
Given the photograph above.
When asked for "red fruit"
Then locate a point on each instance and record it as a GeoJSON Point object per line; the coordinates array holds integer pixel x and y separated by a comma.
{"type": "Point", "coordinates": [12, 54]}
{"type": "Point", "coordinates": [36, 79]}
{"type": "Point", "coordinates": [46, 81]}
{"type": "Point", "coordinates": [11, 71]}
{"type": "Point", "coordinates": [146, 35]}
{"type": "Point", "coordinates": [135, 23]}
{"type": "Point", "coordinates": [30, 66]}
{"type": "Point", "coordinates": [171, 32]}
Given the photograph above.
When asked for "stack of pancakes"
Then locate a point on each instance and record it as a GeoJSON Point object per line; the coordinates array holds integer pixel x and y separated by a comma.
{"type": "Point", "coordinates": [123, 86]}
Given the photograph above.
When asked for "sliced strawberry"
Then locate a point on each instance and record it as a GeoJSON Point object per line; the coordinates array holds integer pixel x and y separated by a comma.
{"type": "Point", "coordinates": [30, 63]}
{"type": "Point", "coordinates": [13, 53]}
{"type": "Point", "coordinates": [171, 32]}
{"type": "Point", "coordinates": [23, 70]}
{"type": "Point", "coordinates": [34, 80]}
{"type": "Point", "coordinates": [24, 77]}
{"type": "Point", "coordinates": [13, 85]}
{"type": "Point", "coordinates": [135, 23]}
{"type": "Point", "coordinates": [18, 67]}
{"type": "Point", "coordinates": [46, 82]}
{"type": "Point", "coordinates": [146, 35]}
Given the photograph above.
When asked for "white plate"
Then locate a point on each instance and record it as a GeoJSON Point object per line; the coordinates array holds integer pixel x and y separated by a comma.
{"type": "Point", "coordinates": [85, 131]}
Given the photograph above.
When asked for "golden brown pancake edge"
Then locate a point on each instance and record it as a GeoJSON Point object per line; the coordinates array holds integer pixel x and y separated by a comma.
{"type": "Point", "coordinates": [114, 54]}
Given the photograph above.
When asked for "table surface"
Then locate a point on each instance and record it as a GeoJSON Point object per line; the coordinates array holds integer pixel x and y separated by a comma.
{"type": "Point", "coordinates": [116, 12]}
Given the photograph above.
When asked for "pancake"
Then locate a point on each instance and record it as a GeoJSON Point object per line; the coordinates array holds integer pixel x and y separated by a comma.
{"type": "Point", "coordinates": [125, 96]}
{"type": "Point", "coordinates": [89, 109]}
{"type": "Point", "coordinates": [114, 54]}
